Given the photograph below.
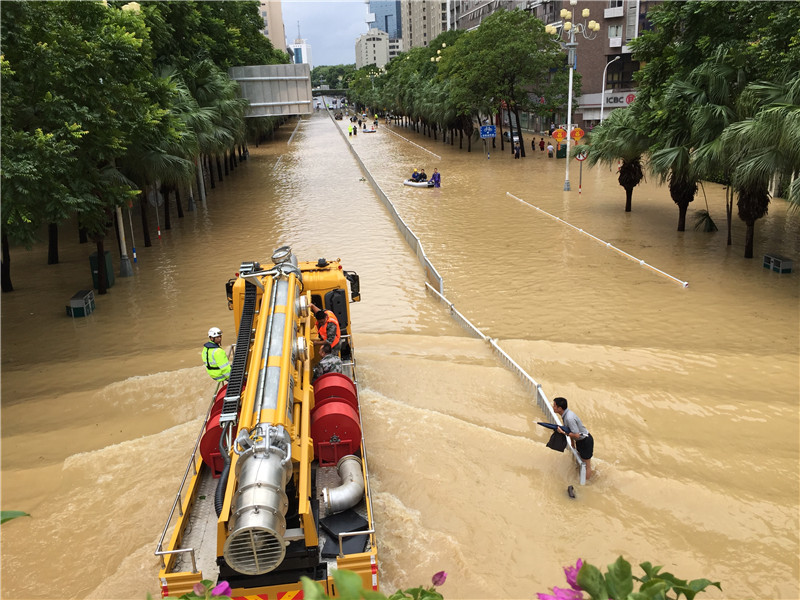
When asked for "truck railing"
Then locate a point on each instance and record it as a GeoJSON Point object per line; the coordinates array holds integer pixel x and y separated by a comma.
{"type": "Point", "coordinates": [345, 534]}
{"type": "Point", "coordinates": [177, 504]}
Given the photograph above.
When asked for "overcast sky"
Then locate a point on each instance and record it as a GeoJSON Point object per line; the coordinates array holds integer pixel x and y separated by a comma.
{"type": "Point", "coordinates": [329, 27]}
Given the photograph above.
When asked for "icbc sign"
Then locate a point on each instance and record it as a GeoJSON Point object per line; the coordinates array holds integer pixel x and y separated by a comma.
{"type": "Point", "coordinates": [620, 99]}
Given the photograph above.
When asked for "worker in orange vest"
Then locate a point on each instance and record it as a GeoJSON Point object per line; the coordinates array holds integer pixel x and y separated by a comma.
{"type": "Point", "coordinates": [328, 329]}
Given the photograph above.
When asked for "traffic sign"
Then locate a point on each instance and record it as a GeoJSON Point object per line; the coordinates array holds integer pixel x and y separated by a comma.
{"type": "Point", "coordinates": [577, 133]}
{"type": "Point", "coordinates": [581, 156]}
{"type": "Point", "coordinates": [488, 131]}
{"type": "Point", "coordinates": [559, 134]}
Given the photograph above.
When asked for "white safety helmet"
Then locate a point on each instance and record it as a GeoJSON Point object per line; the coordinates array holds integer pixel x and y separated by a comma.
{"type": "Point", "coordinates": [214, 332]}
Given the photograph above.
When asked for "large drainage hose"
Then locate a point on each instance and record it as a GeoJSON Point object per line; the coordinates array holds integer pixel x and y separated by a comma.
{"type": "Point", "coordinates": [351, 491]}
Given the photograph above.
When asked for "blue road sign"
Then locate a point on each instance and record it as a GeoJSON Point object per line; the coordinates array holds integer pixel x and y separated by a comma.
{"type": "Point", "coordinates": [488, 131]}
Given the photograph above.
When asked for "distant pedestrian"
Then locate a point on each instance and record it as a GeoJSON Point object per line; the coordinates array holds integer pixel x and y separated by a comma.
{"type": "Point", "coordinates": [541, 144]}
{"type": "Point", "coordinates": [355, 131]}
{"type": "Point", "coordinates": [516, 150]}
{"type": "Point", "coordinates": [550, 150]}
{"type": "Point", "coordinates": [581, 439]}
{"type": "Point", "coordinates": [436, 178]}
{"type": "Point", "coordinates": [350, 130]}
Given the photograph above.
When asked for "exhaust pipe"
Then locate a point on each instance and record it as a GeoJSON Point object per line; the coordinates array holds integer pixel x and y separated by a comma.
{"type": "Point", "coordinates": [351, 491]}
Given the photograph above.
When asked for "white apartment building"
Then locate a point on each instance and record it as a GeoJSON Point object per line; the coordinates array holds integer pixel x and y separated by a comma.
{"type": "Point", "coordinates": [395, 47]}
{"type": "Point", "coordinates": [372, 48]}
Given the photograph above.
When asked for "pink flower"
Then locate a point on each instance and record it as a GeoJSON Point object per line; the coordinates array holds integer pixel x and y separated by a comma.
{"type": "Point", "coordinates": [439, 578]}
{"type": "Point", "coordinates": [572, 575]}
{"type": "Point", "coordinates": [561, 594]}
{"type": "Point", "coordinates": [199, 589]}
{"type": "Point", "coordinates": [223, 589]}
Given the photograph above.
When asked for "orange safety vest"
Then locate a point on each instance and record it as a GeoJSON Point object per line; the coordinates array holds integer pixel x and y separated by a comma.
{"type": "Point", "coordinates": [323, 329]}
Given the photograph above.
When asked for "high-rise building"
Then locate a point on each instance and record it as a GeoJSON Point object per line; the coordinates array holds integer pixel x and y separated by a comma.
{"type": "Point", "coordinates": [272, 14]}
{"type": "Point", "coordinates": [301, 51]}
{"type": "Point", "coordinates": [422, 21]}
{"type": "Point", "coordinates": [385, 15]}
{"type": "Point", "coordinates": [372, 48]}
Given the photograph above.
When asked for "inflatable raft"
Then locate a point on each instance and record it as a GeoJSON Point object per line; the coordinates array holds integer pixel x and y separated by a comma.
{"type": "Point", "coordinates": [413, 183]}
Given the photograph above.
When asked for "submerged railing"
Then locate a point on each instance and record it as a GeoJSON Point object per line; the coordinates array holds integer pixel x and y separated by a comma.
{"type": "Point", "coordinates": [411, 239]}
{"type": "Point", "coordinates": [530, 382]}
{"type": "Point", "coordinates": [436, 285]}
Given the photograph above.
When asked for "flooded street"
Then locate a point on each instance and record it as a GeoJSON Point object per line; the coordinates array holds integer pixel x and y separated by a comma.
{"type": "Point", "coordinates": [691, 393]}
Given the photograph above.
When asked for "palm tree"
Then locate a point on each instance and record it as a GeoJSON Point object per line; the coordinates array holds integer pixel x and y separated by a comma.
{"type": "Point", "coordinates": [711, 91]}
{"type": "Point", "coordinates": [618, 140]}
{"type": "Point", "coordinates": [164, 153]}
{"type": "Point", "coordinates": [213, 90]}
{"type": "Point", "coordinates": [774, 107]}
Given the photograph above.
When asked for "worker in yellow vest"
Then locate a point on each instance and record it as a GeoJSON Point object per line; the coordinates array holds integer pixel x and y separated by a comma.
{"type": "Point", "coordinates": [217, 364]}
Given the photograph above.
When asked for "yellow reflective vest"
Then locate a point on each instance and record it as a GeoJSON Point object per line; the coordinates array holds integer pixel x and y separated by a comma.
{"type": "Point", "coordinates": [216, 361]}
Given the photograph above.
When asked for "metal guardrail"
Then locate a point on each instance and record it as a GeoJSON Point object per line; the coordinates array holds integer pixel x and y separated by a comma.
{"type": "Point", "coordinates": [438, 290]}
{"type": "Point", "coordinates": [530, 382]}
{"type": "Point", "coordinates": [411, 239]}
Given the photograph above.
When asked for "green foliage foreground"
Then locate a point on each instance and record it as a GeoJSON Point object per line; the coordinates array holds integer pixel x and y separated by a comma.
{"type": "Point", "coordinates": [616, 584]}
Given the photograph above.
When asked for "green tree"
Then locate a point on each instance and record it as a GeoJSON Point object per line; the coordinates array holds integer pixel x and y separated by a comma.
{"type": "Point", "coordinates": [508, 58]}
{"type": "Point", "coordinates": [774, 107]}
{"type": "Point", "coordinates": [730, 43]}
{"type": "Point", "coordinates": [227, 33]}
{"type": "Point", "coordinates": [329, 75]}
{"type": "Point", "coordinates": [618, 139]}
{"type": "Point", "coordinates": [82, 74]}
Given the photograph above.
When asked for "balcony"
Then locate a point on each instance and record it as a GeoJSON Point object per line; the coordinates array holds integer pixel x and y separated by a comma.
{"type": "Point", "coordinates": [610, 13]}
{"type": "Point", "coordinates": [615, 42]}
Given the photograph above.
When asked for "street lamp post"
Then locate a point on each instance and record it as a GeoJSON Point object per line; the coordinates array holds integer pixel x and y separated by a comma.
{"type": "Point", "coordinates": [588, 31]}
{"type": "Point", "coordinates": [603, 93]}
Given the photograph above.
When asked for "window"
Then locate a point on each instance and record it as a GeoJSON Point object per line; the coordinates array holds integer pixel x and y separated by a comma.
{"type": "Point", "coordinates": [614, 3]}
{"type": "Point", "coordinates": [614, 31]}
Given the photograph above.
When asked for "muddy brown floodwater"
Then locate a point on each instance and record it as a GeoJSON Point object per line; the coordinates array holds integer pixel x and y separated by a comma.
{"type": "Point", "coordinates": [691, 393]}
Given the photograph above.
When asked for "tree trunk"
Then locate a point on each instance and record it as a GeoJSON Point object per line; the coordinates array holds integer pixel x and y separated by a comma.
{"type": "Point", "coordinates": [748, 239]}
{"type": "Point", "coordinates": [5, 267]}
{"type": "Point", "coordinates": [519, 129]}
{"type": "Point", "coordinates": [460, 139]}
{"type": "Point", "coordinates": [52, 244]}
{"type": "Point", "coordinates": [729, 211]}
{"type": "Point", "coordinates": [83, 238]}
{"type": "Point", "coordinates": [143, 206]}
{"type": "Point", "coordinates": [165, 195]}
{"type": "Point", "coordinates": [219, 167]}
{"type": "Point", "coordinates": [682, 216]}
{"type": "Point", "coordinates": [225, 160]}
{"type": "Point", "coordinates": [210, 171]}
{"type": "Point", "coordinates": [178, 201]}
{"type": "Point", "coordinates": [102, 276]}
{"type": "Point", "coordinates": [628, 198]}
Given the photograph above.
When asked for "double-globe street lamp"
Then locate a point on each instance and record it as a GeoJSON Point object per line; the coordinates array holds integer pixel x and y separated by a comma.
{"type": "Point", "coordinates": [567, 29]}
